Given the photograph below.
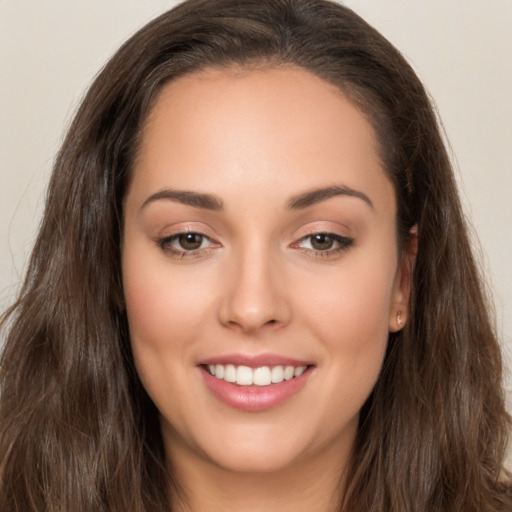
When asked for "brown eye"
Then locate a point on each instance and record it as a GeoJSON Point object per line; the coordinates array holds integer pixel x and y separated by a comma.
{"type": "Point", "coordinates": [190, 241]}
{"type": "Point", "coordinates": [188, 244]}
{"type": "Point", "coordinates": [322, 242]}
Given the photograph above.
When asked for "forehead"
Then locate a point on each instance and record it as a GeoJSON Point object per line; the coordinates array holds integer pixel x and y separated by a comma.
{"type": "Point", "coordinates": [225, 126]}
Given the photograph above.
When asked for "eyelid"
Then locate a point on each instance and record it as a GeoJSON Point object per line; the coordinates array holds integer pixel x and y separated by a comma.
{"type": "Point", "coordinates": [339, 238]}
{"type": "Point", "coordinates": [165, 243]}
{"type": "Point", "coordinates": [324, 228]}
{"type": "Point", "coordinates": [342, 242]}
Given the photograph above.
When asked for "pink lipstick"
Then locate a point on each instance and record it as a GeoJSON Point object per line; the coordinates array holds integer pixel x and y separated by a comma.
{"type": "Point", "coordinates": [254, 383]}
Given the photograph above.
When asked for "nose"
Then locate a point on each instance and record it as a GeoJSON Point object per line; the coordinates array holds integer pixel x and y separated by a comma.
{"type": "Point", "coordinates": [255, 296]}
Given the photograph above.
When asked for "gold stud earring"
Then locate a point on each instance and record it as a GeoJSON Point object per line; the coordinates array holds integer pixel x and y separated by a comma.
{"type": "Point", "coordinates": [399, 318]}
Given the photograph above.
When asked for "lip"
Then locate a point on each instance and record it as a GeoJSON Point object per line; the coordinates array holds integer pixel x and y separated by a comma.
{"type": "Point", "coordinates": [255, 360]}
{"type": "Point", "coordinates": [254, 398]}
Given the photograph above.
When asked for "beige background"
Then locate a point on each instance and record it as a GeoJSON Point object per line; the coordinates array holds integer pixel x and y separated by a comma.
{"type": "Point", "coordinates": [462, 49]}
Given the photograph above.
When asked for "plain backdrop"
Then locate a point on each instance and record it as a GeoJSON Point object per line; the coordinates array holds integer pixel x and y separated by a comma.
{"type": "Point", "coordinates": [462, 49]}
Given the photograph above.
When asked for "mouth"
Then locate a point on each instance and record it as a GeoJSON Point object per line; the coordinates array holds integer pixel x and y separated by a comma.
{"type": "Point", "coordinates": [255, 383]}
{"type": "Point", "coordinates": [260, 376]}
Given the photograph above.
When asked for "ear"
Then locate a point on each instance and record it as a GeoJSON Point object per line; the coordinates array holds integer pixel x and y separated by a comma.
{"type": "Point", "coordinates": [399, 309]}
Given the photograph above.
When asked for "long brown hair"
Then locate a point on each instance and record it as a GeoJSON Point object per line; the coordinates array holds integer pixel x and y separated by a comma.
{"type": "Point", "coordinates": [77, 430]}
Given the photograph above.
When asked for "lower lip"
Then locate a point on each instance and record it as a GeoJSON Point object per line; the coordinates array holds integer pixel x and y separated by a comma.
{"type": "Point", "coordinates": [254, 398]}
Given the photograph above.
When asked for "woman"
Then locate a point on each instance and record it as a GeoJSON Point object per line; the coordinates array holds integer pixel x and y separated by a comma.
{"type": "Point", "coordinates": [253, 285]}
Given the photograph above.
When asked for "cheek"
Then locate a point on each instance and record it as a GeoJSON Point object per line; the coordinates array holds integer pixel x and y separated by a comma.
{"type": "Point", "coordinates": [350, 305]}
{"type": "Point", "coordinates": [161, 303]}
{"type": "Point", "coordinates": [165, 306]}
{"type": "Point", "coordinates": [354, 333]}
{"type": "Point", "coordinates": [350, 316]}
{"type": "Point", "coordinates": [165, 312]}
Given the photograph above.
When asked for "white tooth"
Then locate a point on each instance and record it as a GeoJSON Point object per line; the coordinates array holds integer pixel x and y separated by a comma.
{"type": "Point", "coordinates": [262, 376]}
{"type": "Point", "coordinates": [288, 372]}
{"type": "Point", "coordinates": [219, 371]}
{"type": "Point", "coordinates": [244, 376]}
{"type": "Point", "coordinates": [229, 373]}
{"type": "Point", "coordinates": [277, 374]}
{"type": "Point", "coordinates": [212, 369]}
{"type": "Point", "coordinates": [299, 371]}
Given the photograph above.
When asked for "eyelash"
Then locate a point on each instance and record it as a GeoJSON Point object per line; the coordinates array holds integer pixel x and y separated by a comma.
{"type": "Point", "coordinates": [165, 245]}
{"type": "Point", "coordinates": [343, 243]}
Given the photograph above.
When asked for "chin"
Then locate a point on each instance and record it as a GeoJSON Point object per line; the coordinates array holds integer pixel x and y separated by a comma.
{"type": "Point", "coordinates": [253, 458]}
{"type": "Point", "coordinates": [242, 448]}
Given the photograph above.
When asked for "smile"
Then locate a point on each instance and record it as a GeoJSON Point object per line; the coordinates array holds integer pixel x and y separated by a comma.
{"type": "Point", "coordinates": [257, 383]}
{"type": "Point", "coordinates": [260, 376]}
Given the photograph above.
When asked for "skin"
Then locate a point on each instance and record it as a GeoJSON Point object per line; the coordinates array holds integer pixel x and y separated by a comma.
{"type": "Point", "coordinates": [255, 139]}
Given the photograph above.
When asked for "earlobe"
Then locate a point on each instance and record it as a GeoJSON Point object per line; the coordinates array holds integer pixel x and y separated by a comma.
{"type": "Point", "coordinates": [403, 283]}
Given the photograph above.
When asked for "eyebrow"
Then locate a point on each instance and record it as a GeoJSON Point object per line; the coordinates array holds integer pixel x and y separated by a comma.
{"type": "Point", "coordinates": [214, 203]}
{"type": "Point", "coordinates": [321, 194]}
{"type": "Point", "coordinates": [195, 199]}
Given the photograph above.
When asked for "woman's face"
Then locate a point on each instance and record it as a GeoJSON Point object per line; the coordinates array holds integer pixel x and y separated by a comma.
{"type": "Point", "coordinates": [259, 246]}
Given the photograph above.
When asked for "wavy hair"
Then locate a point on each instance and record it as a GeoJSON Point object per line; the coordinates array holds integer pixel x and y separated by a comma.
{"type": "Point", "coordinates": [77, 430]}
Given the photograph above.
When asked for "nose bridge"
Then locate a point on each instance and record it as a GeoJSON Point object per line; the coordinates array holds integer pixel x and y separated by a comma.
{"type": "Point", "coordinates": [254, 296]}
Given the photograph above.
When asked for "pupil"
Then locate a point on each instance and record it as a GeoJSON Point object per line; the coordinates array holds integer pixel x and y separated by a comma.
{"type": "Point", "coordinates": [190, 241]}
{"type": "Point", "coordinates": [322, 242]}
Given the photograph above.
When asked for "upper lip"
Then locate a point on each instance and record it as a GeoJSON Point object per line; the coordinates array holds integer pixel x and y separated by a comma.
{"type": "Point", "coordinates": [254, 361]}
